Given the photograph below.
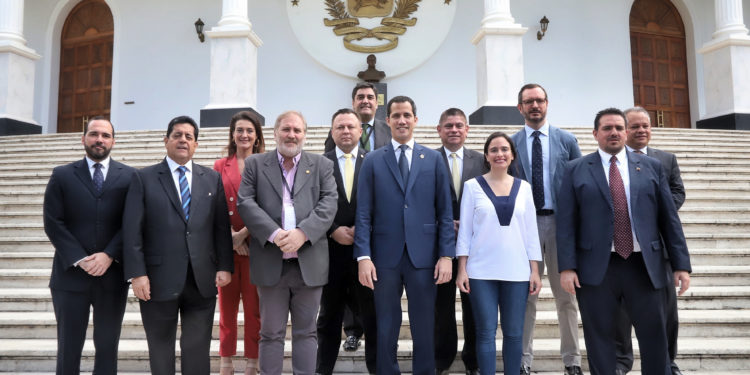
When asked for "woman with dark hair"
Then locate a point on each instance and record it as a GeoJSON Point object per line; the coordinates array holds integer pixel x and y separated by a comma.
{"type": "Point", "coordinates": [498, 250]}
{"type": "Point", "coordinates": [245, 139]}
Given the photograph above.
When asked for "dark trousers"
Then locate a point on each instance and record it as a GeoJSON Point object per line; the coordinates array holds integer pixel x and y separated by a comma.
{"type": "Point", "coordinates": [342, 286]}
{"type": "Point", "coordinates": [626, 280]}
{"type": "Point", "coordinates": [624, 345]}
{"type": "Point", "coordinates": [446, 332]}
{"type": "Point", "coordinates": [352, 320]}
{"type": "Point", "coordinates": [420, 292]}
{"type": "Point", "coordinates": [196, 321]}
{"type": "Point", "coordinates": [72, 314]}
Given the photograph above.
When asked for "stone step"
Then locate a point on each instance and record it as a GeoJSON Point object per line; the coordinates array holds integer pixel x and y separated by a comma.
{"type": "Point", "coordinates": [696, 354]}
{"type": "Point", "coordinates": [717, 240]}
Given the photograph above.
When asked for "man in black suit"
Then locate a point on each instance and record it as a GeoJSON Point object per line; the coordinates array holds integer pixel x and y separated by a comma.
{"type": "Point", "coordinates": [177, 250]}
{"type": "Point", "coordinates": [83, 207]}
{"type": "Point", "coordinates": [463, 164]}
{"type": "Point", "coordinates": [639, 135]}
{"type": "Point", "coordinates": [375, 133]}
{"type": "Point", "coordinates": [617, 233]}
{"type": "Point", "coordinates": [343, 284]}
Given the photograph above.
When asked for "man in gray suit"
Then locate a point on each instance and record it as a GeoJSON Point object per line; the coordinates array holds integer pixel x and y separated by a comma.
{"type": "Point", "coordinates": [463, 164]}
{"type": "Point", "coordinates": [288, 200]}
{"type": "Point", "coordinates": [177, 249]}
{"type": "Point", "coordinates": [639, 135]}
{"type": "Point", "coordinates": [375, 133]}
{"type": "Point", "coordinates": [543, 151]}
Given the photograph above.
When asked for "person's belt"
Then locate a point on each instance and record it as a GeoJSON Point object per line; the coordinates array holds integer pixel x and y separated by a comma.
{"type": "Point", "coordinates": [545, 212]}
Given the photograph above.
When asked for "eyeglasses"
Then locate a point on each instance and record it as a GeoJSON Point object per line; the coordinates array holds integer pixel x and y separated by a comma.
{"type": "Point", "coordinates": [532, 101]}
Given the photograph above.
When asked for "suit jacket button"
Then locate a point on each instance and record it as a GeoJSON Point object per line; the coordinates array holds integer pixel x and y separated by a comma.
{"type": "Point", "coordinates": [231, 199]}
{"type": "Point", "coordinates": [231, 213]}
{"type": "Point", "coordinates": [406, 206]}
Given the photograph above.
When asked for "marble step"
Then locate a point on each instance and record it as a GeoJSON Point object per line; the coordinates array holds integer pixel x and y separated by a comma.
{"type": "Point", "coordinates": [730, 355]}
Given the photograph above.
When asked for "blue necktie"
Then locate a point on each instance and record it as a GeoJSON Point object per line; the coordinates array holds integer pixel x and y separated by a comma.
{"type": "Point", "coordinates": [184, 192]}
{"type": "Point", "coordinates": [537, 171]}
{"type": "Point", "coordinates": [403, 164]}
{"type": "Point", "coordinates": [98, 178]}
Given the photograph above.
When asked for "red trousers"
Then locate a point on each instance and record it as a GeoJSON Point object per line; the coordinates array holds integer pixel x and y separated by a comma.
{"type": "Point", "coordinates": [229, 303]}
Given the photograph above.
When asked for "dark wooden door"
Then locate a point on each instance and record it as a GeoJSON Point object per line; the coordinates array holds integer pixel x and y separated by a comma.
{"type": "Point", "coordinates": [85, 65]}
{"type": "Point", "coordinates": [657, 44]}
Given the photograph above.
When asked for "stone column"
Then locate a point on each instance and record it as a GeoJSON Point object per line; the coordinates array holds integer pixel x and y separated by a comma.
{"type": "Point", "coordinates": [726, 70]}
{"type": "Point", "coordinates": [499, 65]}
{"type": "Point", "coordinates": [16, 73]}
{"type": "Point", "coordinates": [234, 66]}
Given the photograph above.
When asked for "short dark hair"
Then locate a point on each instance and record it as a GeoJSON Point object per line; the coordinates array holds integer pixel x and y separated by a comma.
{"type": "Point", "coordinates": [364, 85]}
{"type": "Point", "coordinates": [86, 127]}
{"type": "Point", "coordinates": [608, 111]}
{"type": "Point", "coordinates": [530, 86]}
{"type": "Point", "coordinates": [452, 112]}
{"type": "Point", "coordinates": [401, 99]}
{"type": "Point", "coordinates": [346, 111]}
{"type": "Point", "coordinates": [260, 144]}
{"type": "Point", "coordinates": [182, 120]}
{"type": "Point", "coordinates": [512, 149]}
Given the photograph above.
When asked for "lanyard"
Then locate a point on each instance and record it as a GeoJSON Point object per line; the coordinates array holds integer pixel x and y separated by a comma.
{"type": "Point", "coordinates": [283, 181]}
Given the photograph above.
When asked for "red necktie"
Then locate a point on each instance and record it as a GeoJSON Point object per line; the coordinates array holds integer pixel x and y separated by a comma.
{"type": "Point", "coordinates": [623, 232]}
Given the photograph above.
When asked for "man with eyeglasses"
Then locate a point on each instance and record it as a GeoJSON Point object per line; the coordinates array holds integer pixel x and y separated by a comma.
{"type": "Point", "coordinates": [543, 151]}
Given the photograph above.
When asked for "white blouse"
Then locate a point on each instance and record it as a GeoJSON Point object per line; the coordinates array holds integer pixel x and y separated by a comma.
{"type": "Point", "coordinates": [497, 252]}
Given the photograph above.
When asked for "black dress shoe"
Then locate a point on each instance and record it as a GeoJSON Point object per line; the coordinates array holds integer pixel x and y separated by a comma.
{"type": "Point", "coordinates": [676, 370]}
{"type": "Point", "coordinates": [472, 372]}
{"type": "Point", "coordinates": [351, 344]}
{"type": "Point", "coordinates": [573, 370]}
{"type": "Point", "coordinates": [619, 371]}
{"type": "Point", "coordinates": [440, 371]}
{"type": "Point", "coordinates": [525, 370]}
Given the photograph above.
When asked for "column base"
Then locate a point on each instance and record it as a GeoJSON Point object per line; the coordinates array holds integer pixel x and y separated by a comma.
{"type": "Point", "coordinates": [219, 117]}
{"type": "Point", "coordinates": [10, 126]}
{"type": "Point", "coordinates": [496, 115]}
{"type": "Point", "coordinates": [732, 121]}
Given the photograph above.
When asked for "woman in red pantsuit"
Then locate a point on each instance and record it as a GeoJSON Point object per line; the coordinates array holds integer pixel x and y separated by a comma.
{"type": "Point", "coordinates": [245, 139]}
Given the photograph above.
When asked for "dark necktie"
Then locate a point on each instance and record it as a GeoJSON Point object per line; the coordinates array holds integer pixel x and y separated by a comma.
{"type": "Point", "coordinates": [184, 192]}
{"type": "Point", "coordinates": [403, 164]}
{"type": "Point", "coordinates": [365, 138]}
{"type": "Point", "coordinates": [623, 232]}
{"type": "Point", "coordinates": [537, 171]}
{"type": "Point", "coordinates": [98, 178]}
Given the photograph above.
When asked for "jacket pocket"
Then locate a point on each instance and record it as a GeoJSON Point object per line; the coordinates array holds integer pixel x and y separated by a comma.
{"type": "Point", "coordinates": [429, 228]}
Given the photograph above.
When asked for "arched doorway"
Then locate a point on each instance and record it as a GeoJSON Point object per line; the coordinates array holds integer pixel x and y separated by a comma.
{"type": "Point", "coordinates": [85, 65]}
{"type": "Point", "coordinates": [657, 48]}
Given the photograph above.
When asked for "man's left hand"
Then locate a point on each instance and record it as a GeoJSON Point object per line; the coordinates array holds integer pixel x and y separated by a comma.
{"type": "Point", "coordinates": [293, 241]}
{"type": "Point", "coordinates": [223, 278]}
{"type": "Point", "coordinates": [443, 270]}
{"type": "Point", "coordinates": [681, 279]}
{"type": "Point", "coordinates": [97, 264]}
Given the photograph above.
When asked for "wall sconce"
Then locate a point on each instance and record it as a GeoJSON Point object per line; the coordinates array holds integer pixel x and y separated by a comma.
{"type": "Point", "coordinates": [543, 25]}
{"type": "Point", "coordinates": [199, 30]}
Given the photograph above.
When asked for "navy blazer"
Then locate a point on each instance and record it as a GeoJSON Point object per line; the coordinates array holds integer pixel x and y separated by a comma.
{"type": "Point", "coordinates": [585, 216]}
{"type": "Point", "coordinates": [79, 222]}
{"type": "Point", "coordinates": [563, 147]}
{"type": "Point", "coordinates": [392, 213]}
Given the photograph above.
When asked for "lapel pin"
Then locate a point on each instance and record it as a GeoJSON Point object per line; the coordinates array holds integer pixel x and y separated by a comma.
{"type": "Point", "coordinates": [637, 169]}
{"type": "Point", "coordinates": [307, 171]}
{"type": "Point", "coordinates": [209, 193]}
{"type": "Point", "coordinates": [421, 156]}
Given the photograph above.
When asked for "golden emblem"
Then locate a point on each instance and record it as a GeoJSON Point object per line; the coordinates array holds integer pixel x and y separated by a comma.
{"type": "Point", "coordinates": [348, 25]}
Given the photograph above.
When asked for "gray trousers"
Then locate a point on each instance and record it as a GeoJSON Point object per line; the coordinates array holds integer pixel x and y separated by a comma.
{"type": "Point", "coordinates": [567, 307]}
{"type": "Point", "coordinates": [290, 295]}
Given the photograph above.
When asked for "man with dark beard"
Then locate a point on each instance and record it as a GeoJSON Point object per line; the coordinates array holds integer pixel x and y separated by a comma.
{"type": "Point", "coordinates": [288, 200]}
{"type": "Point", "coordinates": [83, 207]}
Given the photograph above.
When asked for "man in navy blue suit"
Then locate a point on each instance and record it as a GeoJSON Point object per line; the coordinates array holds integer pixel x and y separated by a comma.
{"type": "Point", "coordinates": [614, 208]}
{"type": "Point", "coordinates": [404, 236]}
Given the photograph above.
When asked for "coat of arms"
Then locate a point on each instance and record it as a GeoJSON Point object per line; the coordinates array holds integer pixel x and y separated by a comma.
{"type": "Point", "coordinates": [395, 22]}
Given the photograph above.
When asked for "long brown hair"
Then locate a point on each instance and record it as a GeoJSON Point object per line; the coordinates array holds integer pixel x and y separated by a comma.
{"type": "Point", "coordinates": [259, 145]}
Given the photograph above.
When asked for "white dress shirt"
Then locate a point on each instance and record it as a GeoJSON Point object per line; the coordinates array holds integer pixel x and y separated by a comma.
{"type": "Point", "coordinates": [622, 166]}
{"type": "Point", "coordinates": [459, 155]}
{"type": "Point", "coordinates": [105, 167]}
{"type": "Point", "coordinates": [173, 167]}
{"type": "Point", "coordinates": [544, 138]}
{"type": "Point", "coordinates": [643, 150]}
{"type": "Point", "coordinates": [342, 161]}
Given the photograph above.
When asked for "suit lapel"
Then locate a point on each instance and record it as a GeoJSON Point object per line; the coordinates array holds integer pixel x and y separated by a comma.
{"type": "Point", "coordinates": [83, 174]}
{"type": "Point", "coordinates": [523, 154]}
{"type": "Point", "coordinates": [447, 163]}
{"type": "Point", "coordinates": [417, 160]}
{"type": "Point", "coordinates": [600, 179]}
{"type": "Point", "coordinates": [198, 190]}
{"type": "Point", "coordinates": [304, 173]}
{"type": "Point", "coordinates": [390, 161]}
{"type": "Point", "coordinates": [114, 173]}
{"type": "Point", "coordinates": [554, 150]}
{"type": "Point", "coordinates": [272, 171]}
{"type": "Point", "coordinates": [331, 155]}
{"type": "Point", "coordinates": [360, 158]}
{"type": "Point", "coordinates": [167, 183]}
{"type": "Point", "coordinates": [634, 171]}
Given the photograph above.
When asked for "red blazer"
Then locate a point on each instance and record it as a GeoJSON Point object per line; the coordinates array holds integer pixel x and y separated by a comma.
{"type": "Point", "coordinates": [231, 178]}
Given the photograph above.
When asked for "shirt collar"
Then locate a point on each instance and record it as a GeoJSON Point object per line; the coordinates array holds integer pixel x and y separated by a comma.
{"type": "Point", "coordinates": [104, 163]}
{"type": "Point", "coordinates": [459, 153]}
{"type": "Point", "coordinates": [295, 159]}
{"type": "Point", "coordinates": [173, 165]}
{"type": "Point", "coordinates": [396, 144]}
{"type": "Point", "coordinates": [340, 154]}
{"type": "Point", "coordinates": [544, 129]}
{"type": "Point", "coordinates": [643, 150]}
{"type": "Point", "coordinates": [621, 156]}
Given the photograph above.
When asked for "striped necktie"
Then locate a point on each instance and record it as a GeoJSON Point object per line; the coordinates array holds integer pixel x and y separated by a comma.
{"type": "Point", "coordinates": [184, 191]}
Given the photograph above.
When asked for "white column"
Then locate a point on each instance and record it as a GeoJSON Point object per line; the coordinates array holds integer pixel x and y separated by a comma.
{"type": "Point", "coordinates": [499, 56]}
{"type": "Point", "coordinates": [16, 65]}
{"type": "Point", "coordinates": [726, 62]}
{"type": "Point", "coordinates": [234, 59]}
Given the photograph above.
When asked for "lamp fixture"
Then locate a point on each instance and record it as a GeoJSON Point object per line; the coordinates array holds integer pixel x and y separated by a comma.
{"type": "Point", "coordinates": [542, 25]}
{"type": "Point", "coordinates": [199, 29]}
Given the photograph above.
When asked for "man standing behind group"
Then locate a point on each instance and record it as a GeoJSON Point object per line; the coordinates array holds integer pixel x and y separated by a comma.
{"type": "Point", "coordinates": [404, 237]}
{"type": "Point", "coordinates": [83, 207]}
{"type": "Point", "coordinates": [343, 284]}
{"type": "Point", "coordinates": [463, 164]}
{"type": "Point", "coordinates": [375, 133]}
{"type": "Point", "coordinates": [543, 151]}
{"type": "Point", "coordinates": [287, 200]}
{"type": "Point", "coordinates": [639, 135]}
{"type": "Point", "coordinates": [177, 250]}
